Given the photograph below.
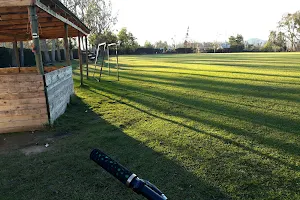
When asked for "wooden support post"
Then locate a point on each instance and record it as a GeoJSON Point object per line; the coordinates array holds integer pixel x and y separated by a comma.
{"type": "Point", "coordinates": [36, 38]}
{"type": "Point", "coordinates": [80, 59]}
{"type": "Point", "coordinates": [86, 57]}
{"type": "Point", "coordinates": [17, 55]}
{"type": "Point", "coordinates": [66, 42]}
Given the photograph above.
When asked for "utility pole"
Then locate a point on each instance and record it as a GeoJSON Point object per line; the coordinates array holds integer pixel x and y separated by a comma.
{"type": "Point", "coordinates": [186, 38]}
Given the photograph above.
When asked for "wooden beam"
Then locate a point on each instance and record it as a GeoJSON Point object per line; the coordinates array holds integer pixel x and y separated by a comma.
{"type": "Point", "coordinates": [45, 31]}
{"type": "Point", "coordinates": [42, 29]}
{"type": "Point", "coordinates": [36, 38]}
{"type": "Point", "coordinates": [80, 59]}
{"type": "Point", "coordinates": [10, 16]}
{"type": "Point", "coordinates": [25, 25]}
{"type": "Point", "coordinates": [13, 9]}
{"type": "Point", "coordinates": [14, 3]}
{"type": "Point", "coordinates": [86, 58]}
{"type": "Point", "coordinates": [25, 21]}
{"type": "Point", "coordinates": [61, 18]}
{"type": "Point", "coordinates": [66, 42]}
{"type": "Point", "coordinates": [12, 35]}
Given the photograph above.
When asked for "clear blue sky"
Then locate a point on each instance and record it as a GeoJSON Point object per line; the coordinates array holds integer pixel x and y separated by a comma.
{"type": "Point", "coordinates": [208, 20]}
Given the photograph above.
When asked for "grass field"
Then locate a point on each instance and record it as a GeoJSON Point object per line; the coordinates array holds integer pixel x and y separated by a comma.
{"type": "Point", "coordinates": [199, 126]}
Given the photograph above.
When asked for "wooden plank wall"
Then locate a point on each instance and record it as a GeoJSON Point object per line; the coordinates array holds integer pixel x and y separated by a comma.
{"type": "Point", "coordinates": [14, 3]}
{"type": "Point", "coordinates": [22, 103]}
{"type": "Point", "coordinates": [60, 87]}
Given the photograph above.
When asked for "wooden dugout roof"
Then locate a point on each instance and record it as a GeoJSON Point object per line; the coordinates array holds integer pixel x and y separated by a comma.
{"type": "Point", "coordinates": [52, 16]}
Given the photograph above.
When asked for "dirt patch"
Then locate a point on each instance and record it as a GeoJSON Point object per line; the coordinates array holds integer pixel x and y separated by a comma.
{"type": "Point", "coordinates": [129, 123]}
{"type": "Point", "coordinates": [10, 142]}
{"type": "Point", "coordinates": [34, 149]}
{"type": "Point", "coordinates": [29, 142]}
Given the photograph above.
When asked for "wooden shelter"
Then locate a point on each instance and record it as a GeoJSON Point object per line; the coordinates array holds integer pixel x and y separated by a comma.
{"type": "Point", "coordinates": [32, 97]}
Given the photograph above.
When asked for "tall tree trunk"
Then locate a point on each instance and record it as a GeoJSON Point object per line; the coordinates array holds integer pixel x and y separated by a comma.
{"type": "Point", "coordinates": [53, 51]}
{"type": "Point", "coordinates": [14, 59]}
{"type": "Point", "coordinates": [65, 53]}
{"type": "Point", "coordinates": [22, 54]}
{"type": "Point", "coordinates": [71, 49]}
{"type": "Point", "coordinates": [58, 51]}
{"type": "Point", "coordinates": [71, 54]}
{"type": "Point", "coordinates": [46, 52]}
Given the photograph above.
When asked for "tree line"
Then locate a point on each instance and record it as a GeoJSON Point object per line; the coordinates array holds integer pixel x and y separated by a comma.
{"type": "Point", "coordinates": [100, 19]}
{"type": "Point", "coordinates": [285, 38]}
{"type": "Point", "coordinates": [98, 16]}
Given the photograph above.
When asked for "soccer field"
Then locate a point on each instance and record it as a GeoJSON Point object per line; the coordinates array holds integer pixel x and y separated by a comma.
{"type": "Point", "coordinates": [199, 126]}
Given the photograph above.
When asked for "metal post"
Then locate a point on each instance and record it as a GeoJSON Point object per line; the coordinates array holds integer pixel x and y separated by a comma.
{"type": "Point", "coordinates": [36, 38]}
{"type": "Point", "coordinates": [66, 42]}
{"type": "Point", "coordinates": [80, 59]}
{"type": "Point", "coordinates": [108, 61]}
{"type": "Point", "coordinates": [117, 62]}
{"type": "Point", "coordinates": [86, 57]}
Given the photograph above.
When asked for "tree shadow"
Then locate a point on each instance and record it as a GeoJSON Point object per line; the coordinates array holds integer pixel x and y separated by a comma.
{"type": "Point", "coordinates": [67, 172]}
{"type": "Point", "coordinates": [180, 74]}
{"type": "Point", "coordinates": [290, 125]}
{"type": "Point", "coordinates": [219, 165]}
{"type": "Point", "coordinates": [184, 83]}
{"type": "Point", "coordinates": [134, 67]}
{"type": "Point", "coordinates": [146, 99]}
{"type": "Point", "coordinates": [231, 88]}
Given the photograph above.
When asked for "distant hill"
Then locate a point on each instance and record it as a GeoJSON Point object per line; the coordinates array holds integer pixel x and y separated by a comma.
{"type": "Point", "coordinates": [256, 41]}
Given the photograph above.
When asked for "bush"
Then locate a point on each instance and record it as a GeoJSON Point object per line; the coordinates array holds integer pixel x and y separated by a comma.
{"type": "Point", "coordinates": [5, 57]}
{"type": "Point", "coordinates": [184, 50]}
{"type": "Point", "coordinates": [29, 58]}
{"type": "Point", "coordinates": [143, 50]}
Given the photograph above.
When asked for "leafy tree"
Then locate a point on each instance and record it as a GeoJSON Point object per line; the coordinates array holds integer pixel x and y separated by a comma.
{"type": "Point", "coordinates": [290, 26]}
{"type": "Point", "coordinates": [281, 41]}
{"type": "Point", "coordinates": [107, 36]}
{"type": "Point", "coordinates": [96, 14]}
{"type": "Point", "coordinates": [268, 47]}
{"type": "Point", "coordinates": [99, 16]}
{"type": "Point", "coordinates": [276, 42]}
{"type": "Point", "coordinates": [162, 45]}
{"type": "Point", "coordinates": [237, 43]}
{"type": "Point", "coordinates": [148, 45]}
{"type": "Point", "coordinates": [127, 41]}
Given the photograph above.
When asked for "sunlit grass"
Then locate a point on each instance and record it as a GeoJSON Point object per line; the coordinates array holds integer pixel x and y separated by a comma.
{"type": "Point", "coordinates": [200, 126]}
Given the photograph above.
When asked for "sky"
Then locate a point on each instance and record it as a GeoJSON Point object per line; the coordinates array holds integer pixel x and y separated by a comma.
{"type": "Point", "coordinates": [209, 20]}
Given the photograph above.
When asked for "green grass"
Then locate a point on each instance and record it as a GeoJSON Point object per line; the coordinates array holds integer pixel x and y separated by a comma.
{"type": "Point", "coordinates": [205, 126]}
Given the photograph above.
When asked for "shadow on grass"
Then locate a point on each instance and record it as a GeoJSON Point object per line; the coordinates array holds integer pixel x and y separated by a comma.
{"type": "Point", "coordinates": [256, 65]}
{"type": "Point", "coordinates": [265, 141]}
{"type": "Point", "coordinates": [224, 87]}
{"type": "Point", "coordinates": [65, 172]}
{"type": "Point", "coordinates": [129, 76]}
{"type": "Point", "coordinates": [124, 66]}
{"type": "Point", "coordinates": [195, 75]}
{"type": "Point", "coordinates": [280, 123]}
{"type": "Point", "coordinates": [200, 83]}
